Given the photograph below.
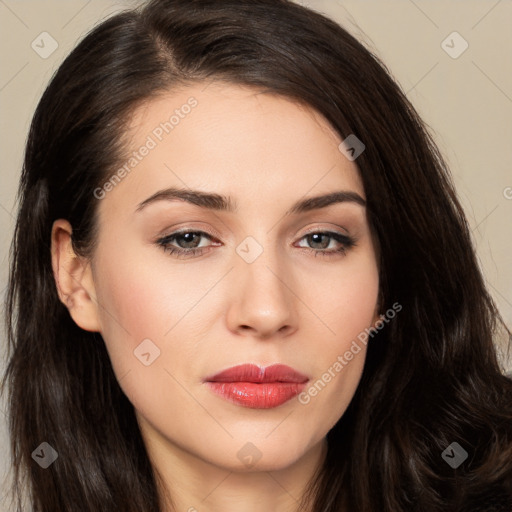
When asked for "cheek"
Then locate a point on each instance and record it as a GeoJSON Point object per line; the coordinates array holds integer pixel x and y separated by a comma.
{"type": "Point", "coordinates": [140, 301]}
{"type": "Point", "coordinates": [347, 300]}
{"type": "Point", "coordinates": [348, 308]}
{"type": "Point", "coordinates": [147, 325]}
{"type": "Point", "coordinates": [328, 395]}
{"type": "Point", "coordinates": [143, 293]}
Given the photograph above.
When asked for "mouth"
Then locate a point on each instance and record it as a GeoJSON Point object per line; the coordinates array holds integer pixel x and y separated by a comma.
{"type": "Point", "coordinates": [249, 385]}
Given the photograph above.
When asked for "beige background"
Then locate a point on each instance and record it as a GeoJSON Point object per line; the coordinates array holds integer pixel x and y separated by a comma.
{"type": "Point", "coordinates": [467, 101]}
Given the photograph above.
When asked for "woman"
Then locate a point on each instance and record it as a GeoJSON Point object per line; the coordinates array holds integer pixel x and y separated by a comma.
{"type": "Point", "coordinates": [325, 342]}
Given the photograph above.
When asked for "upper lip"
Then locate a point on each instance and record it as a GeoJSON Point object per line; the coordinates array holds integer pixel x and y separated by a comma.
{"type": "Point", "coordinates": [254, 373]}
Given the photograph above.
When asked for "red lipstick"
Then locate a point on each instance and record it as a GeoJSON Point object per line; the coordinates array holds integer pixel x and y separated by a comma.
{"type": "Point", "coordinates": [259, 388]}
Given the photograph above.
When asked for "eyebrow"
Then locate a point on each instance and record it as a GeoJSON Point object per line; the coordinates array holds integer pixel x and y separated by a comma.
{"type": "Point", "coordinates": [220, 202]}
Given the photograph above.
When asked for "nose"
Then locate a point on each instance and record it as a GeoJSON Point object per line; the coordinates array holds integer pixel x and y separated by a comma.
{"type": "Point", "coordinates": [263, 303]}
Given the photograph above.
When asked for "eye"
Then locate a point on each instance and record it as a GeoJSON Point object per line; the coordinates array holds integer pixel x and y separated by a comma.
{"type": "Point", "coordinates": [322, 240]}
{"type": "Point", "coordinates": [189, 243]}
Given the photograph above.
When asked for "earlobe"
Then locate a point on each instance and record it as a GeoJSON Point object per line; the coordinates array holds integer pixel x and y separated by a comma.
{"type": "Point", "coordinates": [73, 278]}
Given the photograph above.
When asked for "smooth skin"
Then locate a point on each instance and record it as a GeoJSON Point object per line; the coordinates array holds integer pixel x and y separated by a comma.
{"type": "Point", "coordinates": [293, 304]}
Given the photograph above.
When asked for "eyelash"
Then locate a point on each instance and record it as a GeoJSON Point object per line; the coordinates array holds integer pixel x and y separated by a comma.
{"type": "Point", "coordinates": [180, 253]}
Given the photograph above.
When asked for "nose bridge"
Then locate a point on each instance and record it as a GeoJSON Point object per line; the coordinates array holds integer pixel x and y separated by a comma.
{"type": "Point", "coordinates": [261, 263]}
{"type": "Point", "coordinates": [263, 298]}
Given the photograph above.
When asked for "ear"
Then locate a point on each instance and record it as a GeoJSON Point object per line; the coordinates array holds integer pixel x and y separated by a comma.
{"type": "Point", "coordinates": [73, 277]}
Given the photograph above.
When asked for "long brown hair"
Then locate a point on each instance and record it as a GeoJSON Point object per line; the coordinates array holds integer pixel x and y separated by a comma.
{"type": "Point", "coordinates": [431, 377]}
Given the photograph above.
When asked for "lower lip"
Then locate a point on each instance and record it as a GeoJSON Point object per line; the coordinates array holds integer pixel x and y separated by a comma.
{"type": "Point", "coordinates": [257, 395]}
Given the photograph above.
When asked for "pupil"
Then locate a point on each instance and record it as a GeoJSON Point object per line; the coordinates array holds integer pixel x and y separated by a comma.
{"type": "Point", "coordinates": [316, 237]}
{"type": "Point", "coordinates": [188, 237]}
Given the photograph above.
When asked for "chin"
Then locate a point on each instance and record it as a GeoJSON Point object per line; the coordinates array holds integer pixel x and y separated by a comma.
{"type": "Point", "coordinates": [260, 455]}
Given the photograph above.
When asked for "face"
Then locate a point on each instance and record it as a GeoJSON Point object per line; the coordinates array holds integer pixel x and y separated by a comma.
{"type": "Point", "coordinates": [189, 288]}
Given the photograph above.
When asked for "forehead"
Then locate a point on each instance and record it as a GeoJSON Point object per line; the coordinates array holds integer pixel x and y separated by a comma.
{"type": "Point", "coordinates": [234, 140]}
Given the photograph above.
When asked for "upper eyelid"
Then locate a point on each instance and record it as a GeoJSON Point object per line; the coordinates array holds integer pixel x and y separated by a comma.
{"type": "Point", "coordinates": [185, 231]}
